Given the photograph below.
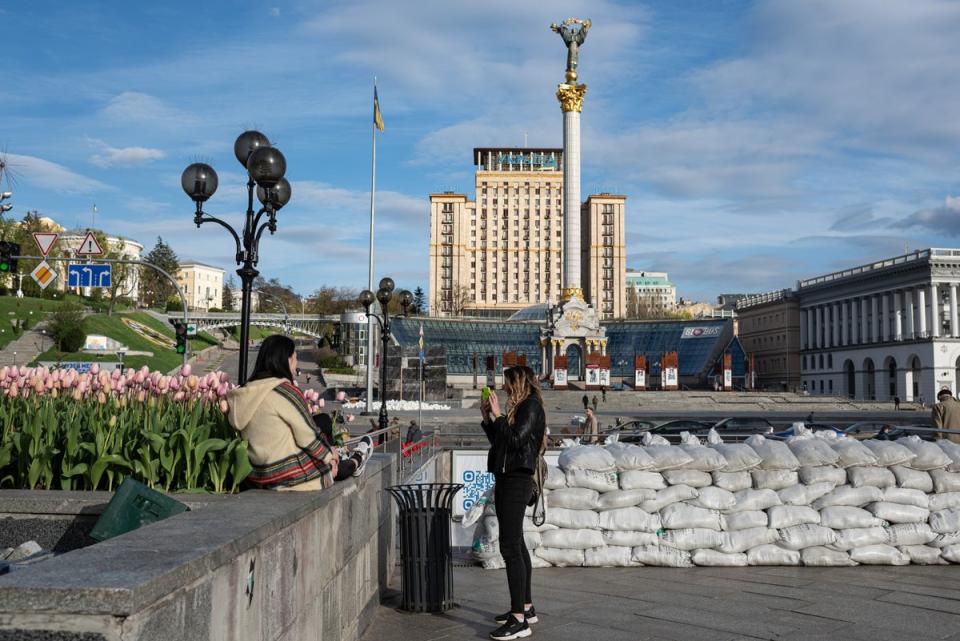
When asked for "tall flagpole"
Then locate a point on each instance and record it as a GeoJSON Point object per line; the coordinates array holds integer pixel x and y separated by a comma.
{"type": "Point", "coordinates": [370, 324]}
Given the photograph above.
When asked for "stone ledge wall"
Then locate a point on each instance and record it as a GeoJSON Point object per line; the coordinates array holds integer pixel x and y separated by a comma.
{"type": "Point", "coordinates": [272, 566]}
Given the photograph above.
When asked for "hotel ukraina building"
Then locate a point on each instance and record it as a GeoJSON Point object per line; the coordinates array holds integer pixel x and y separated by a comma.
{"type": "Point", "coordinates": [502, 252]}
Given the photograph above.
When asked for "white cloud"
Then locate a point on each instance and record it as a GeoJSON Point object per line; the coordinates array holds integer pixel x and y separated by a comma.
{"type": "Point", "coordinates": [108, 156]}
{"type": "Point", "coordinates": [137, 107]}
{"type": "Point", "coordinates": [53, 176]}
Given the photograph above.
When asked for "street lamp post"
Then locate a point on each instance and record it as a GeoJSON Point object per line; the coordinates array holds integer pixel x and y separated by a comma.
{"type": "Point", "coordinates": [383, 296]}
{"type": "Point", "coordinates": [265, 169]}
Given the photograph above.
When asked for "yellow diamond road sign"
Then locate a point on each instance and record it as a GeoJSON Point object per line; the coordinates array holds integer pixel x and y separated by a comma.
{"type": "Point", "coordinates": [43, 274]}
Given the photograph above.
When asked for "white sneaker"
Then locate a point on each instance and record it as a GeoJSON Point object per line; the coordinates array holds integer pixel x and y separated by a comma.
{"type": "Point", "coordinates": [365, 449]}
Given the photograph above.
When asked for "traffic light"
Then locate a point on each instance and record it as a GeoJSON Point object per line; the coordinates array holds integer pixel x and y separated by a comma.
{"type": "Point", "coordinates": [8, 264]}
{"type": "Point", "coordinates": [180, 329]}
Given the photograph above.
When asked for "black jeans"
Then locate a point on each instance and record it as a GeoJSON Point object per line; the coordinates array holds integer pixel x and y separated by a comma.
{"type": "Point", "coordinates": [513, 492]}
{"type": "Point", "coordinates": [347, 466]}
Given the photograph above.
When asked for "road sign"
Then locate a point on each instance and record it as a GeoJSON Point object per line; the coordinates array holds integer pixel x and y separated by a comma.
{"type": "Point", "coordinates": [45, 240]}
{"type": "Point", "coordinates": [191, 329]}
{"type": "Point", "coordinates": [43, 274]}
{"type": "Point", "coordinates": [89, 275]}
{"type": "Point", "coordinates": [90, 246]}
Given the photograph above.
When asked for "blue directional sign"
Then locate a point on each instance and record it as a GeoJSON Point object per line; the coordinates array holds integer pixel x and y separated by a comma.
{"type": "Point", "coordinates": [89, 275]}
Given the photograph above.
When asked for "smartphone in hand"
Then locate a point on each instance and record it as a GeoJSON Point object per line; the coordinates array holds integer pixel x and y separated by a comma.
{"type": "Point", "coordinates": [485, 393]}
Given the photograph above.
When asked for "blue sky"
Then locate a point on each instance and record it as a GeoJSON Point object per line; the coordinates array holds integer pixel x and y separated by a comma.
{"type": "Point", "coordinates": [758, 142]}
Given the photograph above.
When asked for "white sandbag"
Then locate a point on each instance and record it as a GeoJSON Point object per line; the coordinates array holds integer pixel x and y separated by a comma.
{"type": "Point", "coordinates": [906, 497]}
{"type": "Point", "coordinates": [715, 559]}
{"type": "Point", "coordinates": [586, 457]}
{"type": "Point", "coordinates": [859, 537]}
{"type": "Point", "coordinates": [945, 540]}
{"type": "Point", "coordinates": [755, 500]}
{"type": "Point", "coordinates": [929, 455]}
{"type": "Point", "coordinates": [591, 479]}
{"type": "Point", "coordinates": [801, 494]}
{"type": "Point", "coordinates": [873, 476]}
{"type": "Point", "coordinates": [629, 519]}
{"type": "Point", "coordinates": [667, 457]}
{"type": "Point", "coordinates": [650, 438]}
{"type": "Point", "coordinates": [492, 526]}
{"type": "Point", "coordinates": [528, 526]}
{"type": "Point", "coordinates": [661, 556]}
{"type": "Point", "coordinates": [693, 478]}
{"type": "Point", "coordinates": [641, 480]}
{"type": "Point", "coordinates": [483, 547]}
{"type": "Point", "coordinates": [745, 520]}
{"type": "Point", "coordinates": [573, 519]}
{"type": "Point", "coordinates": [572, 539]}
{"type": "Point", "coordinates": [952, 450]}
{"type": "Point", "coordinates": [823, 474]}
{"type": "Point", "coordinates": [845, 517]}
{"type": "Point", "coordinates": [910, 534]}
{"type": "Point", "coordinates": [798, 537]}
{"type": "Point", "coordinates": [743, 540]}
{"type": "Point", "coordinates": [824, 557]}
{"type": "Point", "coordinates": [560, 557]}
{"type": "Point", "coordinates": [912, 479]}
{"type": "Point", "coordinates": [673, 494]}
{"type": "Point", "coordinates": [775, 455]}
{"type": "Point", "coordinates": [678, 516]}
{"type": "Point", "coordinates": [623, 498]}
{"type": "Point", "coordinates": [494, 563]}
{"type": "Point", "coordinates": [853, 453]}
{"type": "Point", "coordinates": [774, 479]}
{"type": "Point", "coordinates": [951, 553]}
{"type": "Point", "coordinates": [944, 481]}
{"type": "Point", "coordinates": [772, 555]}
{"type": "Point", "coordinates": [714, 498]}
{"type": "Point", "coordinates": [733, 481]}
{"type": "Point", "coordinates": [812, 451]}
{"type": "Point", "coordinates": [923, 555]}
{"type": "Point", "coordinates": [629, 539]}
{"type": "Point", "coordinates": [573, 498]}
{"type": "Point", "coordinates": [879, 555]}
{"type": "Point", "coordinates": [705, 459]}
{"type": "Point", "coordinates": [691, 538]}
{"type": "Point", "coordinates": [945, 501]}
{"type": "Point", "coordinates": [848, 495]}
{"type": "Point", "coordinates": [608, 557]}
{"type": "Point", "coordinates": [537, 563]}
{"type": "Point", "coordinates": [898, 513]}
{"type": "Point", "coordinates": [784, 516]}
{"type": "Point", "coordinates": [739, 456]}
{"type": "Point", "coordinates": [889, 453]}
{"type": "Point", "coordinates": [627, 456]}
{"type": "Point", "coordinates": [556, 479]}
{"type": "Point", "coordinates": [945, 521]}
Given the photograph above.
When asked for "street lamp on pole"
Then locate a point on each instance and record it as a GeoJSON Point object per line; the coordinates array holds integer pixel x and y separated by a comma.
{"type": "Point", "coordinates": [265, 167]}
{"type": "Point", "coordinates": [383, 296]}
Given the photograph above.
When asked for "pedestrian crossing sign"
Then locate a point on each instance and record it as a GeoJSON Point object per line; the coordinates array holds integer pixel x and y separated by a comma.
{"type": "Point", "coordinates": [43, 274]}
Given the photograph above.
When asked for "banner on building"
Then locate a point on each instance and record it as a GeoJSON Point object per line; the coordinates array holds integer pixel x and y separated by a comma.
{"type": "Point", "coordinates": [709, 331]}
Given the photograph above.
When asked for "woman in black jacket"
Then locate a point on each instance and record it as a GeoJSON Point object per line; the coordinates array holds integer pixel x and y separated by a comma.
{"type": "Point", "coordinates": [516, 442]}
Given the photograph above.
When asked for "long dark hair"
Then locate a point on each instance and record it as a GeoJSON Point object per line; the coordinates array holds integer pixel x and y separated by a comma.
{"type": "Point", "coordinates": [273, 359]}
{"type": "Point", "coordinates": [520, 382]}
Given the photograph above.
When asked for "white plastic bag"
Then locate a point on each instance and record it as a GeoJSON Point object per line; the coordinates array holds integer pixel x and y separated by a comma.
{"type": "Point", "coordinates": [714, 498]}
{"type": "Point", "coordinates": [945, 521]}
{"type": "Point", "coordinates": [879, 555]}
{"type": "Point", "coordinates": [848, 495]}
{"type": "Point", "coordinates": [906, 497]}
{"type": "Point", "coordinates": [798, 537]}
{"type": "Point", "coordinates": [784, 516]}
{"type": "Point", "coordinates": [627, 456]}
{"type": "Point", "coordinates": [573, 519]}
{"type": "Point", "coordinates": [912, 479]}
{"type": "Point", "coordinates": [772, 555]}
{"type": "Point", "coordinates": [572, 539]}
{"type": "Point", "coordinates": [641, 480]}
{"type": "Point", "coordinates": [774, 479]}
{"type": "Point", "coordinates": [846, 517]}
{"type": "Point", "coordinates": [591, 479]}
{"type": "Point", "coordinates": [889, 453]}
{"type": "Point", "coordinates": [801, 494]}
{"type": "Point", "coordinates": [586, 457]}
{"type": "Point", "coordinates": [946, 501]}
{"type": "Point", "coordinates": [573, 498]}
{"type": "Point", "coordinates": [922, 554]}
{"type": "Point", "coordinates": [775, 455]}
{"type": "Point", "coordinates": [673, 494]}
{"type": "Point", "coordinates": [556, 479]}
{"type": "Point", "coordinates": [691, 538]}
{"type": "Point", "coordinates": [667, 457]}
{"type": "Point", "coordinates": [629, 519]}
{"type": "Point", "coordinates": [853, 453]}
{"type": "Point", "coordinates": [477, 509]}
{"type": "Point", "coordinates": [944, 481]}
{"type": "Point", "coordinates": [560, 557]}
{"type": "Point", "coordinates": [537, 563]}
{"type": "Point", "coordinates": [693, 478]}
{"type": "Point", "coordinates": [705, 459]}
{"type": "Point", "coordinates": [873, 476]}
{"type": "Point", "coordinates": [492, 527]}
{"type": "Point", "coordinates": [824, 557]}
{"type": "Point", "coordinates": [681, 515]}
{"type": "Point", "coordinates": [952, 450]}
{"type": "Point", "coordinates": [629, 539]}
{"type": "Point", "coordinates": [745, 520]}
{"type": "Point", "coordinates": [623, 498]}
{"type": "Point", "coordinates": [743, 540]}
{"type": "Point", "coordinates": [755, 500]}
{"type": "Point", "coordinates": [733, 481]}
{"type": "Point", "coordinates": [859, 537]}
{"type": "Point", "coordinates": [823, 474]}
{"type": "Point", "coordinates": [812, 451]}
{"type": "Point", "coordinates": [715, 559]}
{"type": "Point", "coordinates": [662, 556]}
{"type": "Point", "coordinates": [654, 439]}
{"type": "Point", "coordinates": [608, 557]}
{"type": "Point", "coordinates": [494, 563]}
{"type": "Point", "coordinates": [929, 455]}
{"type": "Point", "coordinates": [898, 513]}
{"type": "Point", "coordinates": [910, 534]}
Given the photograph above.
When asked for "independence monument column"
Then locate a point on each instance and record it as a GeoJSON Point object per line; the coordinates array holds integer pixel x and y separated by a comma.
{"type": "Point", "coordinates": [570, 94]}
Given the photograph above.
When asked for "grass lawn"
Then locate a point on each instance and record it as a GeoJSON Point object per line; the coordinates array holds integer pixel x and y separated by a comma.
{"type": "Point", "coordinates": [31, 310]}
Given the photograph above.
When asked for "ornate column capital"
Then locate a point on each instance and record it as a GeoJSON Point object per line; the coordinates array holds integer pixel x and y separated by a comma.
{"type": "Point", "coordinates": [571, 97]}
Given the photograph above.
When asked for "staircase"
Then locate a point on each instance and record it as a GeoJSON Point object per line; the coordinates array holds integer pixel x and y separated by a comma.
{"type": "Point", "coordinates": [26, 348]}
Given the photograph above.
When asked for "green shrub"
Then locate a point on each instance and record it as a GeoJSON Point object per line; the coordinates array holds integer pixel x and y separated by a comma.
{"type": "Point", "coordinates": [66, 326]}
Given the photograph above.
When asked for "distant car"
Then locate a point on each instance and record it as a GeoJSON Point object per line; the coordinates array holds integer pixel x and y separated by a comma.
{"type": "Point", "coordinates": [670, 430]}
{"type": "Point", "coordinates": [744, 425]}
{"type": "Point", "coordinates": [864, 429]}
{"type": "Point", "coordinates": [813, 427]}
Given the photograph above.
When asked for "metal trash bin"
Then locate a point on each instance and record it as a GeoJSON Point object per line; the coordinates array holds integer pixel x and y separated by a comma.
{"type": "Point", "coordinates": [426, 559]}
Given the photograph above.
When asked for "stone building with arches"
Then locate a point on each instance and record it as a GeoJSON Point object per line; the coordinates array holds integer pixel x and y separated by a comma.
{"type": "Point", "coordinates": [883, 330]}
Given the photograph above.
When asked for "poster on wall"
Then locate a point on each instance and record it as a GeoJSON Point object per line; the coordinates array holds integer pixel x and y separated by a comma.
{"type": "Point", "coordinates": [470, 468]}
{"type": "Point", "coordinates": [670, 376]}
{"type": "Point", "coordinates": [605, 377]}
{"type": "Point", "coordinates": [593, 375]}
{"type": "Point", "coordinates": [727, 378]}
{"type": "Point", "coordinates": [559, 377]}
{"type": "Point", "coordinates": [640, 378]}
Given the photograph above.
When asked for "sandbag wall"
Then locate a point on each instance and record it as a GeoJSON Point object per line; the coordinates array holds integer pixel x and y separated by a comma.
{"type": "Point", "coordinates": [813, 500]}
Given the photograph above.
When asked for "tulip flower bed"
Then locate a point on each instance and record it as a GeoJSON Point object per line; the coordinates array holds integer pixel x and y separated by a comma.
{"type": "Point", "coordinates": [60, 429]}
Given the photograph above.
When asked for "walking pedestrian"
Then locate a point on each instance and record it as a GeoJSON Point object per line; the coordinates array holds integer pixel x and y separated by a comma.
{"type": "Point", "coordinates": [591, 430]}
{"type": "Point", "coordinates": [946, 414]}
{"type": "Point", "coordinates": [603, 393]}
{"type": "Point", "coordinates": [595, 402]}
{"type": "Point", "coordinates": [896, 403]}
{"type": "Point", "coordinates": [517, 441]}
{"type": "Point", "coordinates": [586, 402]}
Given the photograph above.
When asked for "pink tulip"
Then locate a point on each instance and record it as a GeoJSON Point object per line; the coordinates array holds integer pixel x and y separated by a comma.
{"type": "Point", "coordinates": [94, 369]}
{"type": "Point", "coordinates": [179, 396]}
{"type": "Point", "coordinates": [341, 395]}
{"type": "Point", "coordinates": [193, 382]}
{"type": "Point", "coordinates": [141, 396]}
{"type": "Point", "coordinates": [320, 403]}
{"type": "Point", "coordinates": [185, 370]}
{"type": "Point", "coordinates": [224, 406]}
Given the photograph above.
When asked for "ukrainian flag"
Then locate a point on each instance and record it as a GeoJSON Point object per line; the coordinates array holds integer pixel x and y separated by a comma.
{"type": "Point", "coordinates": [377, 118]}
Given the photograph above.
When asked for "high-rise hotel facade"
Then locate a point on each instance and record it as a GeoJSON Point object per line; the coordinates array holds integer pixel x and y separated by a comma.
{"type": "Point", "coordinates": [504, 251]}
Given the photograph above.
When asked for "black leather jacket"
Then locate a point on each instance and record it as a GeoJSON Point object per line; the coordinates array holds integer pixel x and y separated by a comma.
{"type": "Point", "coordinates": [514, 448]}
